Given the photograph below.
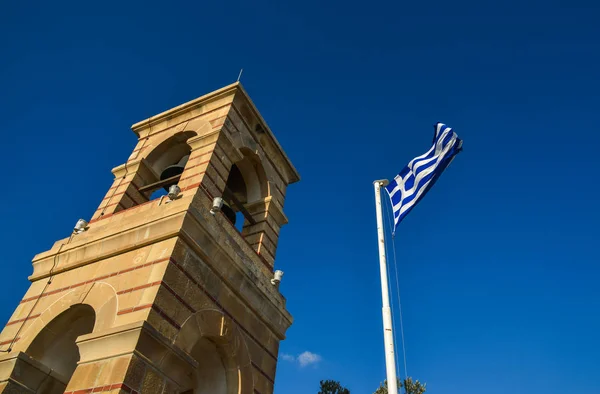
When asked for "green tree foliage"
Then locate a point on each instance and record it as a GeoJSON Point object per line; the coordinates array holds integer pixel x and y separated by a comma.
{"type": "Point", "coordinates": [408, 385]}
{"type": "Point", "coordinates": [415, 387]}
{"type": "Point", "coordinates": [332, 387]}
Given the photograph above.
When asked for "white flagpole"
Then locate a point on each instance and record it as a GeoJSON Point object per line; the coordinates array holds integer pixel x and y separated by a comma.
{"type": "Point", "coordinates": [388, 337]}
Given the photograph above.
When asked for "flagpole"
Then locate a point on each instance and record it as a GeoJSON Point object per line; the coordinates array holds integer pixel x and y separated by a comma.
{"type": "Point", "coordinates": [388, 337]}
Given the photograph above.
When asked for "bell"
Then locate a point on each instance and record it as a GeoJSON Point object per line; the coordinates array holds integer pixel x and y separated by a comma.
{"type": "Point", "coordinates": [171, 171]}
{"type": "Point", "coordinates": [228, 212]}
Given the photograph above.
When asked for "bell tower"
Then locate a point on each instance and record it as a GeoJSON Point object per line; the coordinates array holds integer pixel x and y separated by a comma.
{"type": "Point", "coordinates": [168, 288]}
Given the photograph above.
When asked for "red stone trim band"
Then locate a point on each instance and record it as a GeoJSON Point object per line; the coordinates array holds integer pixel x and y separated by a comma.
{"type": "Point", "coordinates": [24, 300]}
{"type": "Point", "coordinates": [9, 341]}
{"type": "Point", "coordinates": [107, 387]}
{"type": "Point", "coordinates": [139, 287]}
{"type": "Point", "coordinates": [23, 319]}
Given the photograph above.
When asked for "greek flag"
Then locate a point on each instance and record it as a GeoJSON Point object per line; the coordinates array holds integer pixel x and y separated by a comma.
{"type": "Point", "coordinates": [415, 180]}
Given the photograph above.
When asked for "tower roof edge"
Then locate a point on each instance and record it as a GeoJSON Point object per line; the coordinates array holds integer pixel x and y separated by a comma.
{"type": "Point", "coordinates": [231, 90]}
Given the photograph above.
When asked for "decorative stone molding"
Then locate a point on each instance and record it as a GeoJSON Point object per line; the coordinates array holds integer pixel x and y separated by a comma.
{"type": "Point", "coordinates": [100, 296]}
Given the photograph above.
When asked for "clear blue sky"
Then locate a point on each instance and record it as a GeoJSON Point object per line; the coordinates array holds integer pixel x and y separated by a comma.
{"type": "Point", "coordinates": [498, 264]}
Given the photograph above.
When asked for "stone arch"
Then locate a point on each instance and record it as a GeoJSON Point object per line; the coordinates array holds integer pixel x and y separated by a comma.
{"type": "Point", "coordinates": [100, 296]}
{"type": "Point", "coordinates": [247, 179]}
{"type": "Point", "coordinates": [215, 342]}
{"type": "Point", "coordinates": [254, 175]}
{"type": "Point", "coordinates": [175, 142]}
{"type": "Point", "coordinates": [55, 345]}
{"type": "Point", "coordinates": [147, 163]}
{"type": "Point", "coordinates": [246, 184]}
{"type": "Point", "coordinates": [170, 150]}
{"type": "Point", "coordinates": [51, 338]}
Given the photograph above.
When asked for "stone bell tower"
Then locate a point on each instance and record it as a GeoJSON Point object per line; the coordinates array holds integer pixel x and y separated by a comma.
{"type": "Point", "coordinates": [157, 294]}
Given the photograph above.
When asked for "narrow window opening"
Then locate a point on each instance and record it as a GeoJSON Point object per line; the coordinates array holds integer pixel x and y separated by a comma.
{"type": "Point", "coordinates": [239, 221]}
{"type": "Point", "coordinates": [235, 197]}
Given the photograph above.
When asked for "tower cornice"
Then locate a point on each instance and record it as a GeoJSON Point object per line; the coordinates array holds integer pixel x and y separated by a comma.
{"type": "Point", "coordinates": [227, 93]}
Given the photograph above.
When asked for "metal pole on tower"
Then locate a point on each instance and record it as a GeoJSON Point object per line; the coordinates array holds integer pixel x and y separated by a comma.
{"type": "Point", "coordinates": [388, 337]}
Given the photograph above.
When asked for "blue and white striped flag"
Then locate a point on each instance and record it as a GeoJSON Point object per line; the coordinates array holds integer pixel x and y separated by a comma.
{"type": "Point", "coordinates": [415, 180]}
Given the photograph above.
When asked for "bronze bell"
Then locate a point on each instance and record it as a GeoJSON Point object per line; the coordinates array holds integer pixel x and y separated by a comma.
{"type": "Point", "coordinates": [171, 171]}
{"type": "Point", "coordinates": [228, 212]}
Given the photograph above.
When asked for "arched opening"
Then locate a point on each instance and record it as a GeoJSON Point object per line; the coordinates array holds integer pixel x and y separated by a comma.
{"type": "Point", "coordinates": [223, 362]}
{"type": "Point", "coordinates": [211, 375]}
{"type": "Point", "coordinates": [235, 197]}
{"type": "Point", "coordinates": [246, 183]}
{"type": "Point", "coordinates": [237, 185]}
{"type": "Point", "coordinates": [254, 175]}
{"type": "Point", "coordinates": [166, 163]}
{"type": "Point", "coordinates": [55, 346]}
